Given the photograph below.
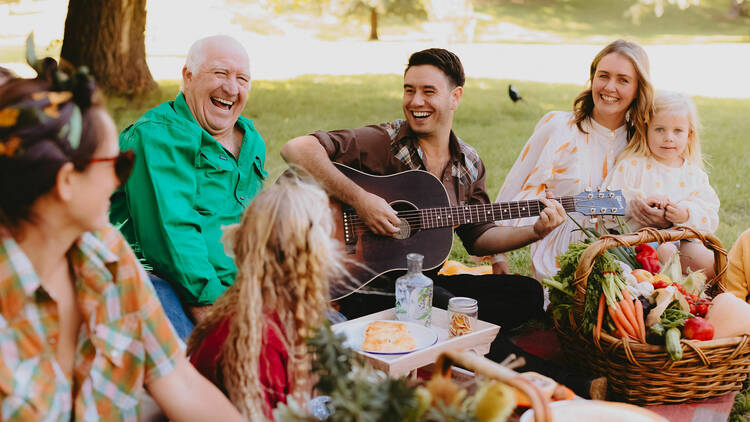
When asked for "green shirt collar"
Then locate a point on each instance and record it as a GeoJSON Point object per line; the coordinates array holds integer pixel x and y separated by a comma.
{"type": "Point", "coordinates": [250, 148]}
{"type": "Point", "coordinates": [181, 108]}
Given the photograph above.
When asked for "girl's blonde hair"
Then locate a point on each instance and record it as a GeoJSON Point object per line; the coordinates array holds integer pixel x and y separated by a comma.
{"type": "Point", "coordinates": [640, 110]}
{"type": "Point", "coordinates": [286, 259]}
{"type": "Point", "coordinates": [672, 103]}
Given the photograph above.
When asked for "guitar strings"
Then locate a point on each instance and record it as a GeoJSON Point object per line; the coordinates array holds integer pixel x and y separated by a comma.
{"type": "Point", "coordinates": [532, 205]}
{"type": "Point", "coordinates": [414, 217]}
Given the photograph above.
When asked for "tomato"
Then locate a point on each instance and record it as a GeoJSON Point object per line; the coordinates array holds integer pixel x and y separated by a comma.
{"type": "Point", "coordinates": [698, 329]}
{"type": "Point", "coordinates": [702, 308]}
{"type": "Point", "coordinates": [692, 308]}
{"type": "Point", "coordinates": [660, 284]}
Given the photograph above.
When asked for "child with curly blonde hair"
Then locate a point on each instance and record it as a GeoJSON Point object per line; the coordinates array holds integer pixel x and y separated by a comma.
{"type": "Point", "coordinates": [252, 343]}
{"type": "Point", "coordinates": [664, 177]}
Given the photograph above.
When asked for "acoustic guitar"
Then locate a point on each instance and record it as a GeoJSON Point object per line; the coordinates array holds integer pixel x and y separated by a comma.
{"type": "Point", "coordinates": [427, 220]}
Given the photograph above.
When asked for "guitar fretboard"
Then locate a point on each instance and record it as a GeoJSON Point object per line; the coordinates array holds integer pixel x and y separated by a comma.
{"type": "Point", "coordinates": [433, 218]}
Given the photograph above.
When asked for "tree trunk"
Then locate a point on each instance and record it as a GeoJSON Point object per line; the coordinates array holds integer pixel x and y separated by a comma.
{"type": "Point", "coordinates": [373, 24]}
{"type": "Point", "coordinates": [736, 9]}
{"type": "Point", "coordinates": [108, 36]}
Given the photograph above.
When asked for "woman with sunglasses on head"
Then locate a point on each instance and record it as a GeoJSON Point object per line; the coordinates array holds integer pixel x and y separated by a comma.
{"type": "Point", "coordinates": [81, 330]}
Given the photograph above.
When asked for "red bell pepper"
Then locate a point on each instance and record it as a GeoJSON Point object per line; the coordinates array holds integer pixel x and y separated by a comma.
{"type": "Point", "coordinates": [646, 255]}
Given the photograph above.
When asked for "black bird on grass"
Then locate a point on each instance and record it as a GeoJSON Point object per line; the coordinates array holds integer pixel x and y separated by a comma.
{"type": "Point", "coordinates": [514, 94]}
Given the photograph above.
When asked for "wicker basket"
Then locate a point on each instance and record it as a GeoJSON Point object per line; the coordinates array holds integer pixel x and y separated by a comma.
{"type": "Point", "coordinates": [644, 374]}
{"type": "Point", "coordinates": [483, 366]}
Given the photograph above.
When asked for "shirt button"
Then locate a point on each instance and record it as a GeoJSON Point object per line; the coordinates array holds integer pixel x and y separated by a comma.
{"type": "Point", "coordinates": [242, 198]}
{"type": "Point", "coordinates": [222, 157]}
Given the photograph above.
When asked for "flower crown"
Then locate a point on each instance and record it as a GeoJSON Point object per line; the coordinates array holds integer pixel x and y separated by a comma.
{"type": "Point", "coordinates": [53, 115]}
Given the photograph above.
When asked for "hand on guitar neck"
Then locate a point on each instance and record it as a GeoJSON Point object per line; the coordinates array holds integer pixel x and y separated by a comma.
{"type": "Point", "coordinates": [551, 216]}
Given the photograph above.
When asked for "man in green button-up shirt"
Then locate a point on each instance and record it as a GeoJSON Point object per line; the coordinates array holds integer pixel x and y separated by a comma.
{"type": "Point", "coordinates": [199, 164]}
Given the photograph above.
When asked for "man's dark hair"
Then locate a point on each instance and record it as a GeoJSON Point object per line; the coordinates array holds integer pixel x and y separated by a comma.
{"type": "Point", "coordinates": [444, 60]}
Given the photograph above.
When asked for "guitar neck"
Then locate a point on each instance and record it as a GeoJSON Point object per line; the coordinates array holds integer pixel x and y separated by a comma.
{"type": "Point", "coordinates": [433, 218]}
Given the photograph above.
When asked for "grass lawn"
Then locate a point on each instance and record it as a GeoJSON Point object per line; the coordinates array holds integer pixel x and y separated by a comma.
{"type": "Point", "coordinates": [604, 19]}
{"type": "Point", "coordinates": [486, 119]}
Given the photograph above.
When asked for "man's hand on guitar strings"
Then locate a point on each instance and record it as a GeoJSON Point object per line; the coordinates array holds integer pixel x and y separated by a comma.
{"type": "Point", "coordinates": [375, 212]}
{"type": "Point", "coordinates": [551, 216]}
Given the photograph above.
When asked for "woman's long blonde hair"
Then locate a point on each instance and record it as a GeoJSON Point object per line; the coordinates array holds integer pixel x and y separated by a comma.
{"type": "Point", "coordinates": [286, 259]}
{"type": "Point", "coordinates": [640, 110]}
{"type": "Point", "coordinates": [672, 103]}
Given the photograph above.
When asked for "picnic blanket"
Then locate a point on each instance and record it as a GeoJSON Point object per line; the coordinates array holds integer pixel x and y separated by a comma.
{"type": "Point", "coordinates": [716, 409]}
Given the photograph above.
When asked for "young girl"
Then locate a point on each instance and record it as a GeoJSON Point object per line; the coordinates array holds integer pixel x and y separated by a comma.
{"type": "Point", "coordinates": [666, 173]}
{"type": "Point", "coordinates": [252, 343]}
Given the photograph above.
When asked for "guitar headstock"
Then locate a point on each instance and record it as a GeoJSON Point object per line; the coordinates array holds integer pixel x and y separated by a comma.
{"type": "Point", "coordinates": [608, 202]}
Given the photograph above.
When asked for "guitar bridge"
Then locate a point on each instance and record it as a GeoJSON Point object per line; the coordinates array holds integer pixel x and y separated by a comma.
{"type": "Point", "coordinates": [350, 232]}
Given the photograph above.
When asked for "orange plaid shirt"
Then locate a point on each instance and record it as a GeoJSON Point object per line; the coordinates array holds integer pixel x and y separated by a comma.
{"type": "Point", "coordinates": [125, 339]}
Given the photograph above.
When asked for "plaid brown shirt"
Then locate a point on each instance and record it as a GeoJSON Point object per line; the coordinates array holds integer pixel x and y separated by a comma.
{"type": "Point", "coordinates": [392, 147]}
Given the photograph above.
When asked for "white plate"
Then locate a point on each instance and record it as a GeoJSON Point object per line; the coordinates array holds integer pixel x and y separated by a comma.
{"type": "Point", "coordinates": [596, 411]}
{"type": "Point", "coordinates": [355, 336]}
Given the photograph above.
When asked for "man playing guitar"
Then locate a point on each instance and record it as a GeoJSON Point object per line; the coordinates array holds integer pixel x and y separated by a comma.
{"type": "Point", "coordinates": [433, 86]}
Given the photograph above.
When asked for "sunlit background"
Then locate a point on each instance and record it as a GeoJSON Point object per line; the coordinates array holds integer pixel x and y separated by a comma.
{"type": "Point", "coordinates": [701, 51]}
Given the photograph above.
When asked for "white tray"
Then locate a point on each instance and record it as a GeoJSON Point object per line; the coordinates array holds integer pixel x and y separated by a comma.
{"type": "Point", "coordinates": [400, 365]}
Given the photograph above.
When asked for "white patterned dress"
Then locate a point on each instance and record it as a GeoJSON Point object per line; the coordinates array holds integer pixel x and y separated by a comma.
{"type": "Point", "coordinates": [687, 186]}
{"type": "Point", "coordinates": [562, 160]}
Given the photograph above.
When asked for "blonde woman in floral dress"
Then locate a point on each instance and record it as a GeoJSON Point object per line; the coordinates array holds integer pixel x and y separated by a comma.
{"type": "Point", "coordinates": [571, 151]}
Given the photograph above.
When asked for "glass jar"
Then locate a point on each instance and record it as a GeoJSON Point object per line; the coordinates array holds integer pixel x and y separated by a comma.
{"type": "Point", "coordinates": [414, 293]}
{"type": "Point", "coordinates": [463, 313]}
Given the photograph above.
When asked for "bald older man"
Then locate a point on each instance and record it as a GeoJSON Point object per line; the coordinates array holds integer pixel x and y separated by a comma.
{"type": "Point", "coordinates": [199, 164]}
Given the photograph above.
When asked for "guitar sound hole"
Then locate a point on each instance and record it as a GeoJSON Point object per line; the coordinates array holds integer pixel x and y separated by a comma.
{"type": "Point", "coordinates": [409, 217]}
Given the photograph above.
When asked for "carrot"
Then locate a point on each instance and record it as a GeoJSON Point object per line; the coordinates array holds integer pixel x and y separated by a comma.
{"type": "Point", "coordinates": [621, 322]}
{"type": "Point", "coordinates": [616, 321]}
{"type": "Point", "coordinates": [599, 317]}
{"type": "Point", "coordinates": [627, 296]}
{"type": "Point", "coordinates": [627, 323]}
{"type": "Point", "coordinates": [639, 315]}
{"type": "Point", "coordinates": [629, 310]}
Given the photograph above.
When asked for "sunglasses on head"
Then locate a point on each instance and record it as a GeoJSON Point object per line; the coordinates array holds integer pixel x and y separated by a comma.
{"type": "Point", "coordinates": [123, 164]}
